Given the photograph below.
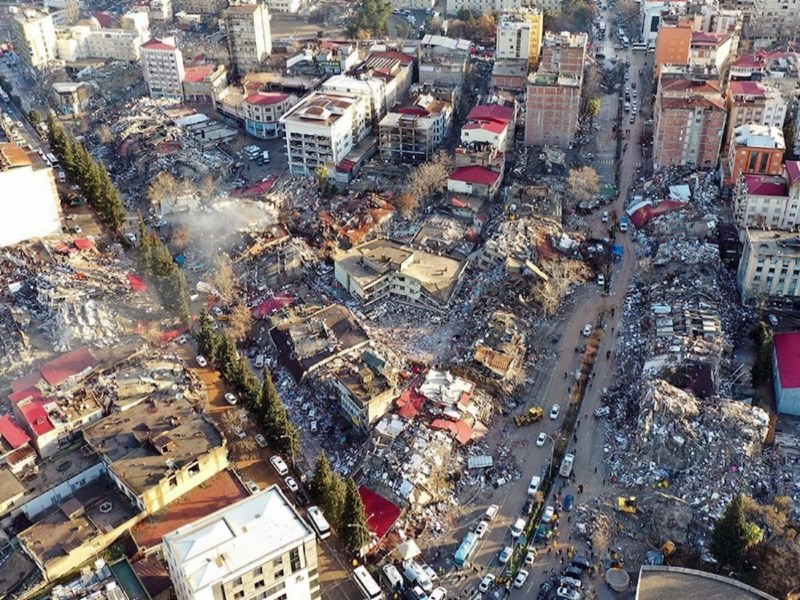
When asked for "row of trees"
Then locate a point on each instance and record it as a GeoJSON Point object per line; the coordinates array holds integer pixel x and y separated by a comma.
{"type": "Point", "coordinates": [341, 503]}
{"type": "Point", "coordinates": [90, 175]}
{"type": "Point", "coordinates": [480, 28]}
{"type": "Point", "coordinates": [156, 263]}
{"type": "Point", "coordinates": [370, 20]}
{"type": "Point", "coordinates": [260, 397]}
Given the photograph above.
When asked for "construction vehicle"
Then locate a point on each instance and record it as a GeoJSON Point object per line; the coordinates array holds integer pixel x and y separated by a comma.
{"type": "Point", "coordinates": [529, 417]}
{"type": "Point", "coordinates": [668, 548]}
{"type": "Point", "coordinates": [627, 505]}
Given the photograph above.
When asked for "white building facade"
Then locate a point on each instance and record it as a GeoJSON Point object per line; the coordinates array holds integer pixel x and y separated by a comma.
{"type": "Point", "coordinates": [249, 36]}
{"type": "Point", "coordinates": [162, 67]}
{"type": "Point", "coordinates": [255, 549]}
{"type": "Point", "coordinates": [34, 37]}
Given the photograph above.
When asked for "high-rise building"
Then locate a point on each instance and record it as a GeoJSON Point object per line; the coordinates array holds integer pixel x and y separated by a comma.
{"type": "Point", "coordinates": [755, 102]}
{"type": "Point", "coordinates": [564, 53]}
{"type": "Point", "coordinates": [553, 108]}
{"type": "Point", "coordinates": [249, 36]}
{"type": "Point", "coordinates": [770, 265]}
{"type": "Point", "coordinates": [34, 37]}
{"type": "Point", "coordinates": [162, 66]}
{"type": "Point", "coordinates": [30, 204]}
{"type": "Point", "coordinates": [258, 548]}
{"type": "Point", "coordinates": [755, 149]}
{"type": "Point", "coordinates": [519, 35]}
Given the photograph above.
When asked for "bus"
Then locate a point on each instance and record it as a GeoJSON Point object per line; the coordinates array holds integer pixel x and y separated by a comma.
{"type": "Point", "coordinates": [51, 158]}
{"type": "Point", "coordinates": [368, 586]}
{"type": "Point", "coordinates": [319, 522]}
{"type": "Point", "coordinates": [466, 550]}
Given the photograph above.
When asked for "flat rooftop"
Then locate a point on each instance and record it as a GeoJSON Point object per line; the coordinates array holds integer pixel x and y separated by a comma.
{"type": "Point", "coordinates": [319, 108]}
{"type": "Point", "coordinates": [222, 490]}
{"type": "Point", "coordinates": [151, 439]}
{"type": "Point", "coordinates": [673, 583]}
{"type": "Point", "coordinates": [96, 508]}
{"type": "Point", "coordinates": [224, 542]}
{"type": "Point", "coordinates": [779, 243]}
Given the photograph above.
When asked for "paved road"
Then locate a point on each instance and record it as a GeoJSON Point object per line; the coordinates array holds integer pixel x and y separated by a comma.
{"type": "Point", "coordinates": [590, 307]}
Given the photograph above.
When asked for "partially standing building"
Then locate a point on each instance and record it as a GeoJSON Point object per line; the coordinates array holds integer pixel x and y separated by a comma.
{"type": "Point", "coordinates": [259, 547]}
{"type": "Point", "coordinates": [249, 36]}
{"type": "Point", "coordinates": [162, 67]}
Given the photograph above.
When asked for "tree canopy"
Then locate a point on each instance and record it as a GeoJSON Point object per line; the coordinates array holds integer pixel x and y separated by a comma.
{"type": "Point", "coordinates": [733, 534]}
{"type": "Point", "coordinates": [370, 19]}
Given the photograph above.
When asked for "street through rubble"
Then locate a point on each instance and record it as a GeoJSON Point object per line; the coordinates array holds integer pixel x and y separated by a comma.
{"type": "Point", "coordinates": [589, 307]}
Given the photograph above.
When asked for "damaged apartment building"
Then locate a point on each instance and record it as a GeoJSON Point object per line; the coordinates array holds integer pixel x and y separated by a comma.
{"type": "Point", "coordinates": [383, 269]}
{"type": "Point", "coordinates": [501, 347]}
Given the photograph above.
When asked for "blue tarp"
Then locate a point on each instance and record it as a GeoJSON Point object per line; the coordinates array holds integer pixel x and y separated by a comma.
{"type": "Point", "coordinates": [180, 259]}
{"type": "Point", "coordinates": [617, 250]}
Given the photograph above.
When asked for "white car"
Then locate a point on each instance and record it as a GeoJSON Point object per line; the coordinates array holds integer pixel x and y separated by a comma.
{"type": "Point", "coordinates": [486, 582]}
{"type": "Point", "coordinates": [252, 486]}
{"type": "Point", "coordinates": [279, 465]}
{"type": "Point", "coordinates": [291, 484]}
{"type": "Point", "coordinates": [604, 218]}
{"type": "Point", "coordinates": [239, 432]}
{"type": "Point", "coordinates": [530, 557]}
{"type": "Point", "coordinates": [201, 361]}
{"type": "Point", "coordinates": [587, 330]}
{"type": "Point", "coordinates": [491, 512]}
{"type": "Point", "coordinates": [261, 441]}
{"type": "Point", "coordinates": [505, 555]}
{"type": "Point", "coordinates": [439, 593]}
{"type": "Point", "coordinates": [522, 577]}
{"type": "Point", "coordinates": [555, 411]}
{"type": "Point", "coordinates": [601, 279]}
{"type": "Point", "coordinates": [623, 226]}
{"type": "Point", "coordinates": [541, 440]}
{"type": "Point", "coordinates": [533, 486]}
{"type": "Point", "coordinates": [182, 339]}
{"type": "Point", "coordinates": [565, 593]}
{"type": "Point", "coordinates": [481, 529]}
{"type": "Point", "coordinates": [230, 399]}
{"type": "Point", "coordinates": [548, 513]}
{"type": "Point", "coordinates": [217, 311]}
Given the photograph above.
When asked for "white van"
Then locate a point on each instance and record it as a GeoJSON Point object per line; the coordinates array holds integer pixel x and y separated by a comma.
{"type": "Point", "coordinates": [415, 574]}
{"type": "Point", "coordinates": [392, 576]}
{"type": "Point", "coordinates": [518, 528]}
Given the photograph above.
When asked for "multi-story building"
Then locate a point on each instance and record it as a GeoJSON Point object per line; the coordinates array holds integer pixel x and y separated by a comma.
{"type": "Point", "coordinates": [708, 49]}
{"type": "Point", "coordinates": [249, 36]}
{"type": "Point", "coordinates": [689, 121]}
{"type": "Point", "coordinates": [203, 7]}
{"type": "Point", "coordinates": [259, 547]}
{"type": "Point", "coordinates": [371, 89]}
{"type": "Point", "coordinates": [283, 6]}
{"type": "Point", "coordinates": [322, 129]}
{"type": "Point", "coordinates": [414, 4]}
{"type": "Point", "coordinates": [443, 60]}
{"type": "Point", "coordinates": [263, 112]}
{"type": "Point", "coordinates": [487, 6]}
{"type": "Point", "coordinates": [162, 66]}
{"type": "Point", "coordinates": [764, 201]}
{"type": "Point", "coordinates": [564, 53]}
{"type": "Point", "coordinates": [364, 390]}
{"type": "Point", "coordinates": [34, 37]}
{"type": "Point", "coordinates": [672, 45]}
{"type": "Point", "coordinates": [416, 130]}
{"type": "Point", "coordinates": [71, 98]}
{"type": "Point", "coordinates": [204, 83]}
{"type": "Point", "coordinates": [93, 41]}
{"type": "Point", "coordinates": [26, 182]}
{"type": "Point", "coordinates": [519, 35]}
{"type": "Point", "coordinates": [474, 180]}
{"type": "Point", "coordinates": [510, 75]}
{"type": "Point", "coordinates": [381, 269]}
{"type": "Point", "coordinates": [64, 12]}
{"type": "Point", "coordinates": [769, 266]}
{"type": "Point", "coordinates": [396, 69]}
{"type": "Point", "coordinates": [756, 149]}
{"type": "Point", "coordinates": [490, 124]}
{"type": "Point", "coordinates": [155, 453]}
{"type": "Point", "coordinates": [773, 20]}
{"type": "Point", "coordinates": [552, 109]}
{"type": "Point", "coordinates": [754, 102]}
{"type": "Point", "coordinates": [781, 69]}
{"type": "Point", "coordinates": [160, 10]}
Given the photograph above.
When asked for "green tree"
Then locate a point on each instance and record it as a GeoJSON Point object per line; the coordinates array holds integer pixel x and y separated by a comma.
{"type": "Point", "coordinates": [207, 339]}
{"type": "Point", "coordinates": [288, 438]}
{"type": "Point", "coordinates": [34, 118]}
{"type": "Point", "coordinates": [370, 19]}
{"type": "Point", "coordinates": [592, 109]}
{"type": "Point", "coordinates": [328, 489]}
{"type": "Point", "coordinates": [790, 137]}
{"type": "Point", "coordinates": [733, 535]}
{"type": "Point", "coordinates": [321, 176]}
{"type": "Point", "coordinates": [761, 373]}
{"type": "Point", "coordinates": [354, 532]}
{"type": "Point", "coordinates": [270, 404]}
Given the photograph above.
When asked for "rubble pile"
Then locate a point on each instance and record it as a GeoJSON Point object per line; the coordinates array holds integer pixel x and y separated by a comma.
{"type": "Point", "coordinates": [523, 238]}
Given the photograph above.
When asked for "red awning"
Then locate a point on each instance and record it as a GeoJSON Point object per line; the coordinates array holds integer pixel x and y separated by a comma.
{"type": "Point", "coordinates": [381, 513]}
{"type": "Point", "coordinates": [83, 244]}
{"type": "Point", "coordinates": [12, 433]}
{"type": "Point", "coordinates": [137, 283]}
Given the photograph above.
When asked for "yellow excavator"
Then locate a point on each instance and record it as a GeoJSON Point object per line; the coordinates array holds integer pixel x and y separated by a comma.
{"type": "Point", "coordinates": [627, 505]}
{"type": "Point", "coordinates": [529, 417]}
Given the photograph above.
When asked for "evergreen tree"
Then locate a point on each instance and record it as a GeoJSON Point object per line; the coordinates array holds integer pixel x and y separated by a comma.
{"type": "Point", "coordinates": [328, 490]}
{"type": "Point", "coordinates": [207, 339]}
{"type": "Point", "coordinates": [34, 118]}
{"type": "Point", "coordinates": [288, 438]}
{"type": "Point", "coordinates": [733, 535]}
{"type": "Point", "coordinates": [273, 413]}
{"type": "Point", "coordinates": [354, 531]}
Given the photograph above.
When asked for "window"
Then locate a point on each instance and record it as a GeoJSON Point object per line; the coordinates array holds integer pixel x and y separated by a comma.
{"type": "Point", "coordinates": [279, 574]}
{"type": "Point", "coordinates": [277, 562]}
{"type": "Point", "coordinates": [294, 558]}
{"type": "Point", "coordinates": [194, 469]}
{"type": "Point", "coordinates": [238, 595]}
{"type": "Point", "coordinates": [259, 584]}
{"type": "Point", "coordinates": [258, 571]}
{"type": "Point", "coordinates": [237, 581]}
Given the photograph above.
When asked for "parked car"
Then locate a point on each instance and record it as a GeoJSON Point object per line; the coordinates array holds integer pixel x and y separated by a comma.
{"type": "Point", "coordinates": [555, 411]}
{"type": "Point", "coordinates": [230, 399]}
{"type": "Point", "coordinates": [604, 216]}
{"type": "Point", "coordinates": [540, 441]}
{"type": "Point", "coordinates": [481, 529]}
{"type": "Point", "coordinates": [439, 593]}
{"type": "Point", "coordinates": [521, 578]}
{"type": "Point", "coordinates": [393, 576]}
{"type": "Point", "coordinates": [587, 330]}
{"type": "Point", "coordinates": [261, 441]}
{"type": "Point", "coordinates": [517, 528]}
{"type": "Point", "coordinates": [491, 512]}
{"type": "Point", "coordinates": [201, 361]}
{"type": "Point", "coordinates": [505, 555]}
{"type": "Point", "coordinates": [302, 498]}
{"type": "Point", "coordinates": [279, 465]}
{"type": "Point", "coordinates": [486, 582]}
{"type": "Point", "coordinates": [581, 562]}
{"type": "Point", "coordinates": [533, 486]}
{"type": "Point", "coordinates": [527, 507]}
{"type": "Point", "coordinates": [252, 486]}
{"type": "Point", "coordinates": [601, 279]}
{"type": "Point", "coordinates": [530, 557]}
{"type": "Point", "coordinates": [548, 514]}
{"type": "Point", "coordinates": [572, 571]}
{"type": "Point", "coordinates": [565, 593]}
{"type": "Point", "coordinates": [291, 484]}
{"type": "Point", "coordinates": [571, 582]}
{"type": "Point", "coordinates": [544, 590]}
{"type": "Point", "coordinates": [567, 504]}
{"type": "Point", "coordinates": [239, 432]}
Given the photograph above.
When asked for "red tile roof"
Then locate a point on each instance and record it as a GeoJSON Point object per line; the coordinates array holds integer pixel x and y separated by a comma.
{"type": "Point", "coordinates": [222, 490]}
{"type": "Point", "coordinates": [35, 414]}
{"type": "Point", "coordinates": [764, 185]}
{"type": "Point", "coordinates": [704, 38]}
{"type": "Point", "coordinates": [404, 59]}
{"type": "Point", "coordinates": [410, 403]}
{"type": "Point", "coordinates": [83, 244]}
{"type": "Point", "coordinates": [787, 352]}
{"type": "Point", "coordinates": [12, 433]}
{"type": "Point", "coordinates": [105, 19]}
{"type": "Point", "coordinates": [491, 112]}
{"type": "Point", "coordinates": [137, 283]}
{"type": "Point", "coordinates": [23, 383]}
{"type": "Point", "coordinates": [198, 73]}
{"type": "Point", "coordinates": [747, 88]}
{"type": "Point", "coordinates": [65, 366]}
{"type": "Point", "coordinates": [156, 44]}
{"type": "Point", "coordinates": [381, 513]}
{"type": "Point", "coordinates": [792, 170]}
{"type": "Point", "coordinates": [492, 126]}
{"type": "Point", "coordinates": [644, 214]}
{"type": "Point", "coordinates": [475, 174]}
{"type": "Point", "coordinates": [266, 98]}
{"type": "Point", "coordinates": [153, 575]}
{"type": "Point", "coordinates": [460, 429]}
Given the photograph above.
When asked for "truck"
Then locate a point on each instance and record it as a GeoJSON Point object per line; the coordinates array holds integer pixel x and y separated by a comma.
{"type": "Point", "coordinates": [566, 465]}
{"type": "Point", "coordinates": [530, 416]}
